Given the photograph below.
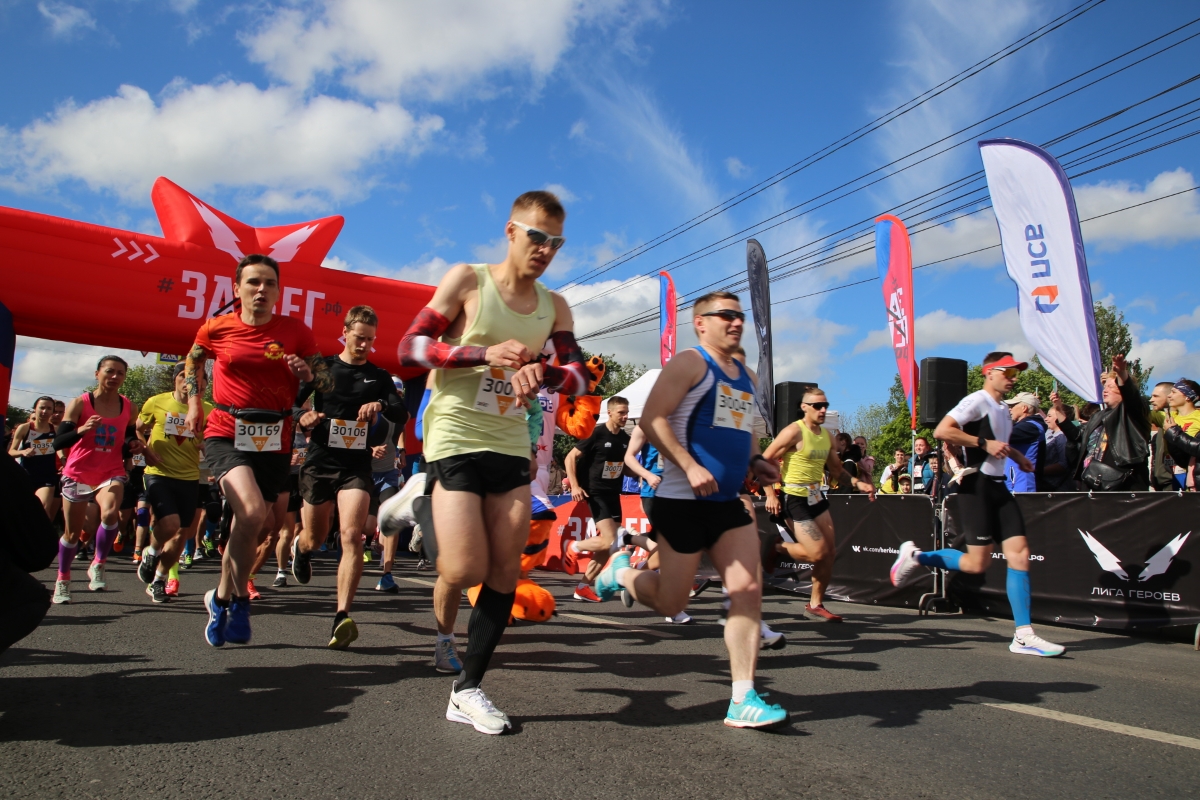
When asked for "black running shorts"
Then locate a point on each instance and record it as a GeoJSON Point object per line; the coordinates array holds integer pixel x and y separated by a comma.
{"type": "Point", "coordinates": [986, 511]}
{"type": "Point", "coordinates": [690, 526]}
{"type": "Point", "coordinates": [798, 509]}
{"type": "Point", "coordinates": [270, 469]}
{"type": "Point", "coordinates": [295, 501]}
{"type": "Point", "coordinates": [480, 473]}
{"type": "Point", "coordinates": [168, 496]}
{"type": "Point", "coordinates": [605, 505]}
{"type": "Point", "coordinates": [320, 484]}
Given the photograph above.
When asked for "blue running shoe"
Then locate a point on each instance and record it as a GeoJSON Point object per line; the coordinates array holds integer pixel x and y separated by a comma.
{"type": "Point", "coordinates": [238, 629]}
{"type": "Point", "coordinates": [606, 581]}
{"type": "Point", "coordinates": [387, 584]}
{"type": "Point", "coordinates": [753, 712]}
{"type": "Point", "coordinates": [218, 618]}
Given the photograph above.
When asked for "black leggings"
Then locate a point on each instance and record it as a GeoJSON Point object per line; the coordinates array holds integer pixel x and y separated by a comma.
{"type": "Point", "coordinates": [23, 603]}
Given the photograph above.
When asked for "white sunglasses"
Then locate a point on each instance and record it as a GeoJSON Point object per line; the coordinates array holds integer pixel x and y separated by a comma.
{"type": "Point", "coordinates": [540, 238]}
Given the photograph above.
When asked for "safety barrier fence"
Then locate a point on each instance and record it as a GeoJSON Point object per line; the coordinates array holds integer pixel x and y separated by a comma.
{"type": "Point", "coordinates": [1118, 561]}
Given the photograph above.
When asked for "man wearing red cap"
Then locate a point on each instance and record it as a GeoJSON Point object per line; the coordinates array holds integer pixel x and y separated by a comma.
{"type": "Point", "coordinates": [982, 424]}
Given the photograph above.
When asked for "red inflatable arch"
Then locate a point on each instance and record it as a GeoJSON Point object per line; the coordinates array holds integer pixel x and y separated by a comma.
{"type": "Point", "coordinates": [89, 284]}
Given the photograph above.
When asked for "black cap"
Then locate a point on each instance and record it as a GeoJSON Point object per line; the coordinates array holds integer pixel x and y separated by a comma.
{"type": "Point", "coordinates": [179, 368]}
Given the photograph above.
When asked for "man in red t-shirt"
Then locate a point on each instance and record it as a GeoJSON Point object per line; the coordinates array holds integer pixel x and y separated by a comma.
{"type": "Point", "coordinates": [260, 360]}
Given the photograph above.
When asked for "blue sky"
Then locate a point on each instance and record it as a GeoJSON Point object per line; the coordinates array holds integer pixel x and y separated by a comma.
{"type": "Point", "coordinates": [419, 122]}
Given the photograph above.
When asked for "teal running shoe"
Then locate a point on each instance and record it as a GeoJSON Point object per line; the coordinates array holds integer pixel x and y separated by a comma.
{"type": "Point", "coordinates": [606, 581]}
{"type": "Point", "coordinates": [753, 712]}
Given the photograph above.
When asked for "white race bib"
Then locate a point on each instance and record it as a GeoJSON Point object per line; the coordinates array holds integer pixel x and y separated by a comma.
{"type": "Point", "coordinates": [495, 395]}
{"type": "Point", "coordinates": [258, 437]}
{"type": "Point", "coordinates": [815, 495]}
{"type": "Point", "coordinates": [138, 460]}
{"type": "Point", "coordinates": [347, 434]}
{"type": "Point", "coordinates": [733, 408]}
{"type": "Point", "coordinates": [173, 426]}
{"type": "Point", "coordinates": [42, 447]}
{"type": "Point", "coordinates": [612, 470]}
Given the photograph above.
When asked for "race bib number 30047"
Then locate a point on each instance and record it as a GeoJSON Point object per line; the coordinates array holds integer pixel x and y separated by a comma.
{"type": "Point", "coordinates": [347, 434]}
{"type": "Point", "coordinates": [258, 437]}
{"type": "Point", "coordinates": [733, 408]}
{"type": "Point", "coordinates": [495, 395]}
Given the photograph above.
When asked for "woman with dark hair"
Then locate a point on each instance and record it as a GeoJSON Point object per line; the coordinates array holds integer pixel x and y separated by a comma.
{"type": "Point", "coordinates": [1181, 429]}
{"type": "Point", "coordinates": [33, 444]}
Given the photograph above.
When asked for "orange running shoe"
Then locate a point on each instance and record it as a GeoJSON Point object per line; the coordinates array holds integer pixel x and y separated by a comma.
{"type": "Point", "coordinates": [586, 593]}
{"type": "Point", "coordinates": [119, 544]}
{"type": "Point", "coordinates": [251, 592]}
{"type": "Point", "coordinates": [137, 557]}
{"type": "Point", "coordinates": [172, 588]}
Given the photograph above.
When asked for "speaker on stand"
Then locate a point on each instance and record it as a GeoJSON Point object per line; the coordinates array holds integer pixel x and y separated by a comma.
{"type": "Point", "coordinates": [787, 402]}
{"type": "Point", "coordinates": [943, 384]}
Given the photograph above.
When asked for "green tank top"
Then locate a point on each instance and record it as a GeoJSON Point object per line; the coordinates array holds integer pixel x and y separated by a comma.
{"type": "Point", "coordinates": [805, 465]}
{"type": "Point", "coordinates": [473, 410]}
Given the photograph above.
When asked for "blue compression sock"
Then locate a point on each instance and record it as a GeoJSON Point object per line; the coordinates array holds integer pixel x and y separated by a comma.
{"type": "Point", "coordinates": [1019, 595]}
{"type": "Point", "coordinates": [189, 546]}
{"type": "Point", "coordinates": [946, 559]}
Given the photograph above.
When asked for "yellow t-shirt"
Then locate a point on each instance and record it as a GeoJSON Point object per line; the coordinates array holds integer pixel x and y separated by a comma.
{"type": "Point", "coordinates": [805, 465]}
{"type": "Point", "coordinates": [169, 440]}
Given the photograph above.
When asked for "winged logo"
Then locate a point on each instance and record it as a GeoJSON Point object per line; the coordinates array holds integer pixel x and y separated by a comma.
{"type": "Point", "coordinates": [223, 236]}
{"type": "Point", "coordinates": [1158, 564]}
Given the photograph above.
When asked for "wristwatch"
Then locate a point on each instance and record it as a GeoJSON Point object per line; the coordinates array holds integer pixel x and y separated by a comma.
{"type": "Point", "coordinates": [981, 442]}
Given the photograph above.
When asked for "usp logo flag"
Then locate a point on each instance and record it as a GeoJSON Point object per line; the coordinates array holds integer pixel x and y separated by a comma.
{"type": "Point", "coordinates": [893, 258]}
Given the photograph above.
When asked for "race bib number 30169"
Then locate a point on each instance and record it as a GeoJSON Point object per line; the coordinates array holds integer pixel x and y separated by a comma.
{"type": "Point", "coordinates": [733, 408]}
{"type": "Point", "coordinates": [347, 434]}
{"type": "Point", "coordinates": [258, 437]}
{"type": "Point", "coordinates": [495, 395]}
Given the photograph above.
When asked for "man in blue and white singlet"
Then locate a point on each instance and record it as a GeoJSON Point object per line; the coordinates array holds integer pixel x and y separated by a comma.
{"type": "Point", "coordinates": [700, 417]}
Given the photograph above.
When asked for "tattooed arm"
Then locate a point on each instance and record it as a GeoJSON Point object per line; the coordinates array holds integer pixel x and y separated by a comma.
{"type": "Point", "coordinates": [322, 378]}
{"type": "Point", "coordinates": [193, 366]}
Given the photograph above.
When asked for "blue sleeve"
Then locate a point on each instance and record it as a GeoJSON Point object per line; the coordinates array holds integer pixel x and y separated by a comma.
{"type": "Point", "coordinates": [1024, 434]}
{"type": "Point", "coordinates": [420, 423]}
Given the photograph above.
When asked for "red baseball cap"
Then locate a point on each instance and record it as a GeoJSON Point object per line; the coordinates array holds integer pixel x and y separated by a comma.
{"type": "Point", "coordinates": [1005, 363]}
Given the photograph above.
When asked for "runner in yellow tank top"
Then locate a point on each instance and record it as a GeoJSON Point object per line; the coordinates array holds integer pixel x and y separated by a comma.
{"type": "Point", "coordinates": [807, 453]}
{"type": "Point", "coordinates": [480, 333]}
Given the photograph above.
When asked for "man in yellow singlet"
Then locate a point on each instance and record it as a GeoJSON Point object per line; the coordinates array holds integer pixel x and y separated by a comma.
{"type": "Point", "coordinates": [480, 334]}
{"type": "Point", "coordinates": [807, 451]}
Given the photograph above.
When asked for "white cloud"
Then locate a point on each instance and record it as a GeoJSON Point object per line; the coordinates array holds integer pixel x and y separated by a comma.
{"type": "Point", "coordinates": [631, 297]}
{"type": "Point", "coordinates": [735, 167]}
{"type": "Point", "coordinates": [489, 202]}
{"type": "Point", "coordinates": [66, 21]}
{"type": "Point", "coordinates": [803, 346]}
{"type": "Point", "coordinates": [308, 150]}
{"type": "Point", "coordinates": [1001, 331]}
{"type": "Point", "coordinates": [382, 48]}
{"type": "Point", "coordinates": [1185, 322]}
{"type": "Point", "coordinates": [333, 262]}
{"type": "Point", "coordinates": [1169, 357]}
{"type": "Point", "coordinates": [493, 252]}
{"type": "Point", "coordinates": [561, 192]}
{"type": "Point", "coordinates": [1162, 223]}
{"type": "Point", "coordinates": [429, 272]}
{"type": "Point", "coordinates": [578, 130]}
{"type": "Point", "coordinates": [59, 369]}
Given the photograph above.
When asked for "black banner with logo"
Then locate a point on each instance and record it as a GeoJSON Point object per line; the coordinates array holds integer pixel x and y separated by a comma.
{"type": "Point", "coordinates": [1106, 560]}
{"type": "Point", "coordinates": [868, 536]}
{"type": "Point", "coordinates": [760, 304]}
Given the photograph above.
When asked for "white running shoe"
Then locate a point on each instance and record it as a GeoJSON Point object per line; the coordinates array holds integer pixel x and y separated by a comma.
{"type": "Point", "coordinates": [445, 658]}
{"type": "Point", "coordinates": [905, 563]}
{"type": "Point", "coordinates": [1030, 644]}
{"type": "Point", "coordinates": [397, 511]}
{"type": "Point", "coordinates": [473, 708]}
{"type": "Point", "coordinates": [96, 582]}
{"type": "Point", "coordinates": [681, 618]}
{"type": "Point", "coordinates": [769, 639]}
{"type": "Point", "coordinates": [62, 592]}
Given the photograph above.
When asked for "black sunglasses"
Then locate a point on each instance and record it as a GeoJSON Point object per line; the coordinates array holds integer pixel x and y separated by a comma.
{"type": "Point", "coordinates": [727, 314]}
{"type": "Point", "coordinates": [818, 406]}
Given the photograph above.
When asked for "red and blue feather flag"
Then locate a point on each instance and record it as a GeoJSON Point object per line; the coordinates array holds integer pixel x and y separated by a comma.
{"type": "Point", "coordinates": [666, 317]}
{"type": "Point", "coordinates": [893, 258]}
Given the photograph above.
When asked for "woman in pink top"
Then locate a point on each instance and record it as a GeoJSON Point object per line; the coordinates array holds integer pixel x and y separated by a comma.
{"type": "Point", "coordinates": [93, 432]}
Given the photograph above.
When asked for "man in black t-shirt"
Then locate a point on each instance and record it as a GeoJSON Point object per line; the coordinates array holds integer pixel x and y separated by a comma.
{"type": "Point", "coordinates": [338, 461]}
{"type": "Point", "coordinates": [595, 468]}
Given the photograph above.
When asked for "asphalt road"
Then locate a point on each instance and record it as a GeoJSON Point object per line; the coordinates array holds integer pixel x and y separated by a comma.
{"type": "Point", "coordinates": [116, 697]}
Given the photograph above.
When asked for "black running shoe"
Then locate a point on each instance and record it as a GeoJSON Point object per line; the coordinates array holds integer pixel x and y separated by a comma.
{"type": "Point", "coordinates": [301, 564]}
{"type": "Point", "coordinates": [157, 591]}
{"type": "Point", "coordinates": [280, 580]}
{"type": "Point", "coordinates": [147, 568]}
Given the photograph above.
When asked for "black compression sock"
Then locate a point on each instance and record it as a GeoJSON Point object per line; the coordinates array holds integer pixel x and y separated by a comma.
{"type": "Point", "coordinates": [488, 621]}
{"type": "Point", "coordinates": [338, 617]}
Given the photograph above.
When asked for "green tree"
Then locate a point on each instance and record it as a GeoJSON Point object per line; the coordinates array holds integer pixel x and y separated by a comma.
{"type": "Point", "coordinates": [866, 420]}
{"type": "Point", "coordinates": [143, 381]}
{"type": "Point", "coordinates": [896, 433]}
{"type": "Point", "coordinates": [16, 415]}
{"type": "Point", "coordinates": [1114, 338]}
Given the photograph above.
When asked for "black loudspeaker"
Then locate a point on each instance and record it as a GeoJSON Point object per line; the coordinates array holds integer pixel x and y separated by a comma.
{"type": "Point", "coordinates": [787, 402]}
{"type": "Point", "coordinates": [943, 384]}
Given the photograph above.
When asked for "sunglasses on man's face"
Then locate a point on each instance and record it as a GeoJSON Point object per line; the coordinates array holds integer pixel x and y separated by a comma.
{"type": "Point", "coordinates": [727, 314]}
{"type": "Point", "coordinates": [1010, 372]}
{"type": "Point", "coordinates": [818, 406]}
{"type": "Point", "coordinates": [540, 238]}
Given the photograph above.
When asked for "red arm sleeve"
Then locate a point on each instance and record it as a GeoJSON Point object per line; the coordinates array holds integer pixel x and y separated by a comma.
{"type": "Point", "coordinates": [420, 346]}
{"type": "Point", "coordinates": [572, 377]}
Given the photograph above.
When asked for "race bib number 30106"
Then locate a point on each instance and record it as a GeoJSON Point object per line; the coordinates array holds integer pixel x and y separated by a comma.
{"type": "Point", "coordinates": [258, 437]}
{"type": "Point", "coordinates": [347, 434]}
{"type": "Point", "coordinates": [495, 395]}
{"type": "Point", "coordinates": [733, 408]}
